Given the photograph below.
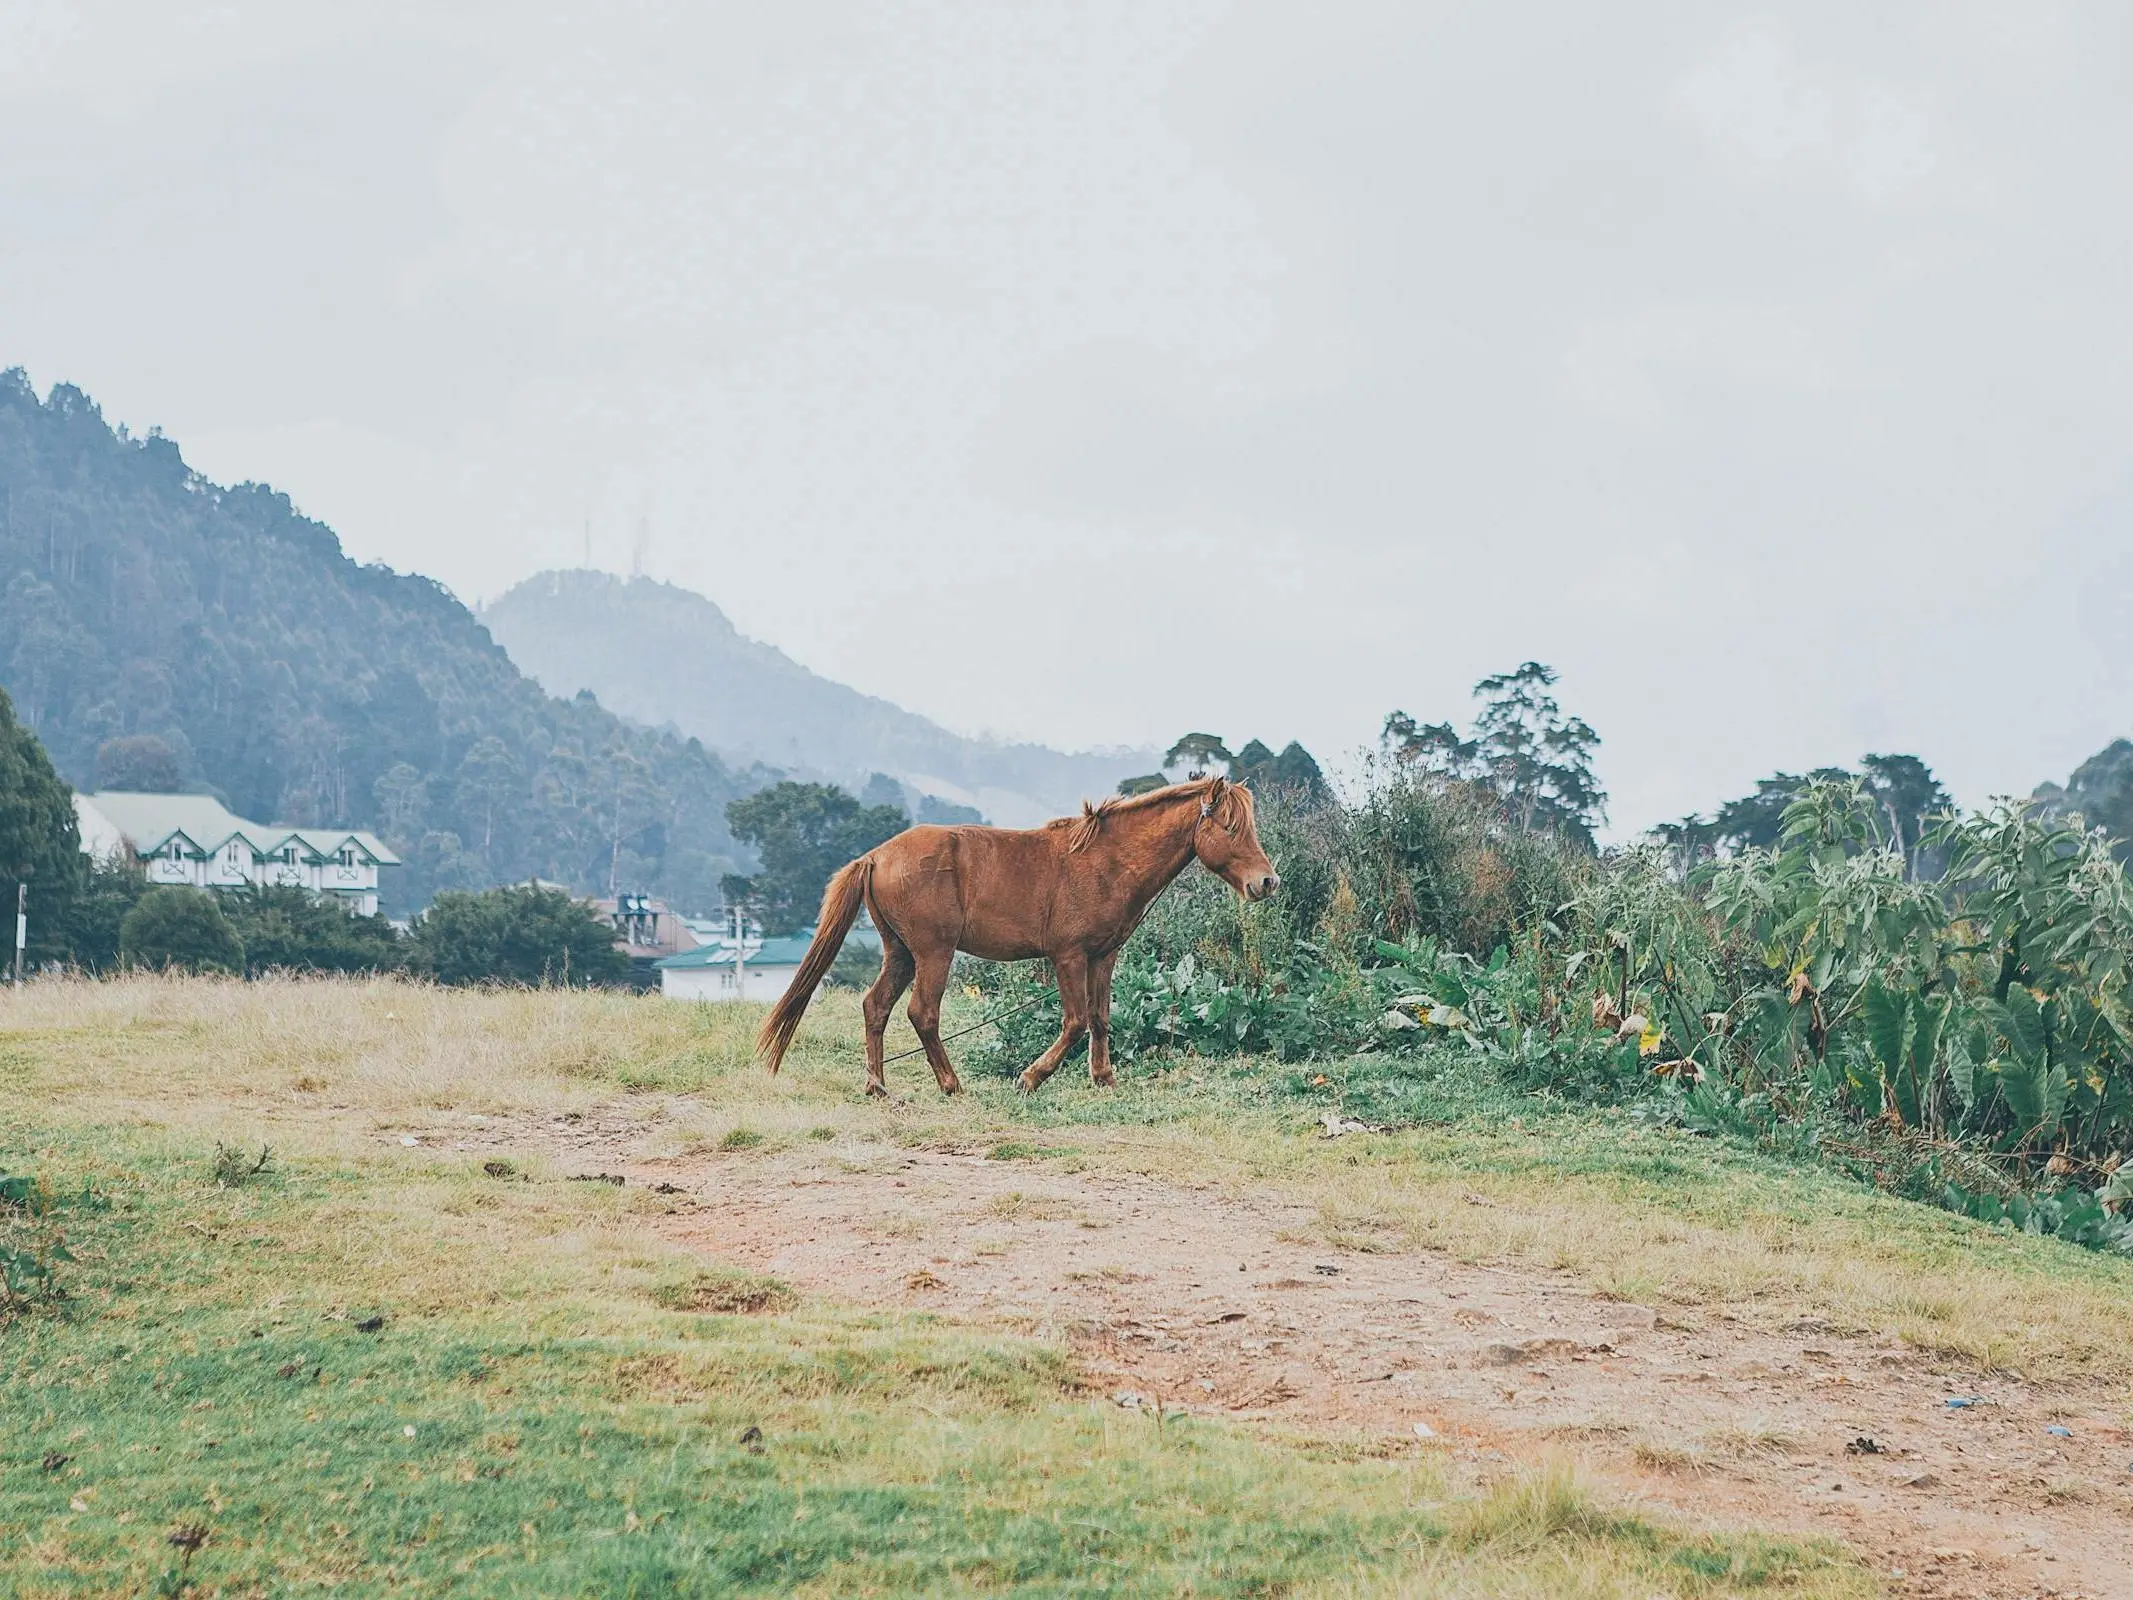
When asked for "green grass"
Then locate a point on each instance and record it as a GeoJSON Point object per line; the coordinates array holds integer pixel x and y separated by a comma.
{"type": "Point", "coordinates": [595, 1412]}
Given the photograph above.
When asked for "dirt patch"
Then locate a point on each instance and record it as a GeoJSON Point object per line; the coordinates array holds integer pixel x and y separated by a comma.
{"type": "Point", "coordinates": [1221, 1303]}
{"type": "Point", "coordinates": [1227, 1303]}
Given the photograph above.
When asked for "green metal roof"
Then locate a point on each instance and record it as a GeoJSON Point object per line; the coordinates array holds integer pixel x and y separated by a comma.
{"type": "Point", "coordinates": [773, 953]}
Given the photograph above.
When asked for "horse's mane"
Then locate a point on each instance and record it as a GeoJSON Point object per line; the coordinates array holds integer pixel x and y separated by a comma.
{"type": "Point", "coordinates": [1233, 808]}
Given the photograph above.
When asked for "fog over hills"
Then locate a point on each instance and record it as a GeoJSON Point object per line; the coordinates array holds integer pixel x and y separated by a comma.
{"type": "Point", "coordinates": [664, 655]}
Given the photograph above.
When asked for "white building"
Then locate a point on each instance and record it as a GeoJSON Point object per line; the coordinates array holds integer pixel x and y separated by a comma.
{"type": "Point", "coordinates": [194, 839]}
{"type": "Point", "coordinates": [755, 971]}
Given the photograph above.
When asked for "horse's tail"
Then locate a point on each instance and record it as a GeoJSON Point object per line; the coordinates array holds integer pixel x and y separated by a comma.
{"type": "Point", "coordinates": [840, 909]}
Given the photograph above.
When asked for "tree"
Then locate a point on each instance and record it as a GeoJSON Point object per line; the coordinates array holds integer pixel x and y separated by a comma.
{"type": "Point", "coordinates": [286, 928]}
{"type": "Point", "coordinates": [1522, 748]}
{"type": "Point", "coordinates": [1905, 796]}
{"type": "Point", "coordinates": [1198, 753]}
{"type": "Point", "coordinates": [803, 832]}
{"type": "Point", "coordinates": [85, 927]}
{"type": "Point", "coordinates": [2101, 791]}
{"type": "Point", "coordinates": [489, 780]}
{"type": "Point", "coordinates": [947, 813]}
{"type": "Point", "coordinates": [1144, 784]}
{"type": "Point", "coordinates": [522, 933]}
{"type": "Point", "coordinates": [180, 929]}
{"type": "Point", "coordinates": [883, 790]}
{"type": "Point", "coordinates": [1757, 821]}
{"type": "Point", "coordinates": [1911, 800]}
{"type": "Point", "coordinates": [402, 796]}
{"type": "Point", "coordinates": [40, 842]}
{"type": "Point", "coordinates": [1292, 772]}
{"type": "Point", "coordinates": [1431, 747]}
{"type": "Point", "coordinates": [139, 763]}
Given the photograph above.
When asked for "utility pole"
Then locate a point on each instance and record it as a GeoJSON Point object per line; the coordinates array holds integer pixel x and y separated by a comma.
{"type": "Point", "coordinates": [22, 925]}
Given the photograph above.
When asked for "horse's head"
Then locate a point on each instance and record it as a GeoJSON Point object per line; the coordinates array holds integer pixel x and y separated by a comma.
{"type": "Point", "coordinates": [1227, 841]}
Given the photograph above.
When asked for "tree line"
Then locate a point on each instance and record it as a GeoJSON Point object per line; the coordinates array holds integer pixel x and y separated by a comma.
{"type": "Point", "coordinates": [102, 916]}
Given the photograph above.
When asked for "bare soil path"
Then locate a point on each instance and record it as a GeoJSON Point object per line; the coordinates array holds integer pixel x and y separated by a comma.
{"type": "Point", "coordinates": [1223, 1303]}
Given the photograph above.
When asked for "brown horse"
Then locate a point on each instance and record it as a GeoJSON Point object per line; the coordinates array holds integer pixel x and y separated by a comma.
{"type": "Point", "coordinates": [1071, 890]}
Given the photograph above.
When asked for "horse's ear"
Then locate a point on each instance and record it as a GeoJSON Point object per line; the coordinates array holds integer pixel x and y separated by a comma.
{"type": "Point", "coordinates": [1215, 786]}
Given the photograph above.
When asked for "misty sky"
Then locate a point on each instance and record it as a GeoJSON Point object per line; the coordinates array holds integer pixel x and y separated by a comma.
{"type": "Point", "coordinates": [1090, 372]}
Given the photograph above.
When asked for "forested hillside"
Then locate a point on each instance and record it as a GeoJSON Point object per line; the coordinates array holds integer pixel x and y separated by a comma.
{"type": "Point", "coordinates": [662, 654]}
{"type": "Point", "coordinates": [194, 635]}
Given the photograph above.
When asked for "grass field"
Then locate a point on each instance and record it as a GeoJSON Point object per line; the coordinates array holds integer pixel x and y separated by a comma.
{"type": "Point", "coordinates": [545, 1408]}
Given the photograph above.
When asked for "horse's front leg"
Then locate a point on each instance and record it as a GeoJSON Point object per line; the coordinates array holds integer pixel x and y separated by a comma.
{"type": "Point", "coordinates": [1073, 970]}
{"type": "Point", "coordinates": [926, 991]}
{"type": "Point", "coordinates": [1100, 1072]}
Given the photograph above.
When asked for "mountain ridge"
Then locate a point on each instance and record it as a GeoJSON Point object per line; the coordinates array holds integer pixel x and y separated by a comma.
{"type": "Point", "coordinates": [667, 656]}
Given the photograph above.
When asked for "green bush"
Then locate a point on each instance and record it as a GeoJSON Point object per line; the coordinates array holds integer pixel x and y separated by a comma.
{"type": "Point", "coordinates": [521, 934]}
{"type": "Point", "coordinates": [180, 929]}
{"type": "Point", "coordinates": [285, 928]}
{"type": "Point", "coordinates": [85, 926]}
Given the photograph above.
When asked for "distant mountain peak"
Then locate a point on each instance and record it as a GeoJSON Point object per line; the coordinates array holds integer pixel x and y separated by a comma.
{"type": "Point", "coordinates": [668, 656]}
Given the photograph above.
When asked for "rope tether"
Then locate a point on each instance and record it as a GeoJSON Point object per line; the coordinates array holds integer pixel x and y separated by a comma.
{"type": "Point", "coordinates": [919, 1049]}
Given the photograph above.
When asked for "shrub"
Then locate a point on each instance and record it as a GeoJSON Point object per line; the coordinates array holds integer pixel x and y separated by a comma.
{"type": "Point", "coordinates": [523, 934]}
{"type": "Point", "coordinates": [180, 929]}
{"type": "Point", "coordinates": [291, 929]}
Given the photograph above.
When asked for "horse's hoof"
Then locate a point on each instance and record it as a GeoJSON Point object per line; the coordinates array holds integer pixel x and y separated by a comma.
{"type": "Point", "coordinates": [1104, 1080]}
{"type": "Point", "coordinates": [952, 1087]}
{"type": "Point", "coordinates": [1027, 1084]}
{"type": "Point", "coordinates": [877, 1091]}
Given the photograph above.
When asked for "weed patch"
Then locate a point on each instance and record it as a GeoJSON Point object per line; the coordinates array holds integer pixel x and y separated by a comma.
{"type": "Point", "coordinates": [728, 1293]}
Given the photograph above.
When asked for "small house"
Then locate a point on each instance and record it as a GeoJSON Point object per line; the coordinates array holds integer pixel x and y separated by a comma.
{"type": "Point", "coordinates": [733, 972]}
{"type": "Point", "coordinates": [756, 969]}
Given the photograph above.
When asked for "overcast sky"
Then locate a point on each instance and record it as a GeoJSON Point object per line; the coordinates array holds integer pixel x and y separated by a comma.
{"type": "Point", "coordinates": [1090, 372]}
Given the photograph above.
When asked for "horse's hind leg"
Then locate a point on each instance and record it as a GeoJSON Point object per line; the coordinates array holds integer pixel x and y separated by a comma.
{"type": "Point", "coordinates": [926, 992]}
{"type": "Point", "coordinates": [896, 969]}
{"type": "Point", "coordinates": [1073, 973]}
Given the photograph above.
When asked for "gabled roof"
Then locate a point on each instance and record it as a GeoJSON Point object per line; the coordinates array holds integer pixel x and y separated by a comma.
{"type": "Point", "coordinates": [148, 822]}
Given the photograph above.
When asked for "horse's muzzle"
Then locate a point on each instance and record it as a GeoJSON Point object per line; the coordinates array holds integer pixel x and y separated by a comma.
{"type": "Point", "coordinates": [1263, 888]}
